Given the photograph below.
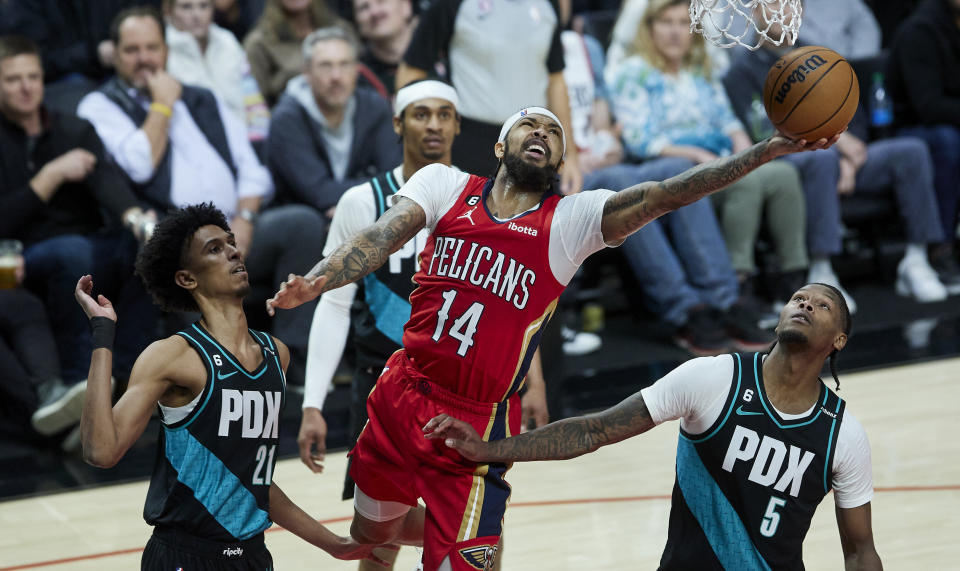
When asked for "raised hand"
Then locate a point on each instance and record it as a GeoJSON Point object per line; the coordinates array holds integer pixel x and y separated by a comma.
{"type": "Point", "coordinates": [312, 439]}
{"type": "Point", "coordinates": [164, 88]}
{"type": "Point", "coordinates": [74, 165]}
{"type": "Point", "coordinates": [458, 435]}
{"type": "Point", "coordinates": [297, 290]}
{"type": "Point", "coordinates": [101, 307]}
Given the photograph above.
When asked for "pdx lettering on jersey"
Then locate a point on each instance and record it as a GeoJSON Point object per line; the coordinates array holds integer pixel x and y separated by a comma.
{"type": "Point", "coordinates": [486, 287]}
{"type": "Point", "coordinates": [215, 465]}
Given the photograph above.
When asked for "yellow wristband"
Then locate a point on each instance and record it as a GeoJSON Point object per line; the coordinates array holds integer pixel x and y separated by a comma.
{"type": "Point", "coordinates": [162, 109]}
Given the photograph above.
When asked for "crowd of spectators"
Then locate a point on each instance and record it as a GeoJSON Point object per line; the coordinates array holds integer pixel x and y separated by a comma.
{"type": "Point", "coordinates": [112, 112]}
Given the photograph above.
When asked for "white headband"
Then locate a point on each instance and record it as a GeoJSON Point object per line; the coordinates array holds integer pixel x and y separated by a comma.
{"type": "Point", "coordinates": [424, 90]}
{"type": "Point", "coordinates": [512, 120]}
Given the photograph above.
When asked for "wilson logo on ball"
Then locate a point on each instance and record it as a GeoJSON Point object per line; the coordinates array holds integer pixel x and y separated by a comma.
{"type": "Point", "coordinates": [798, 76]}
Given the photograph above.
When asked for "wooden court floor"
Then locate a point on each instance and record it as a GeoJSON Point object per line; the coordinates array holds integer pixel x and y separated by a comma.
{"type": "Point", "coordinates": [607, 510]}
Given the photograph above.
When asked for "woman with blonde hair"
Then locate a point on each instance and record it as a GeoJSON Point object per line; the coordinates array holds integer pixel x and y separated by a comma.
{"type": "Point", "coordinates": [670, 106]}
{"type": "Point", "coordinates": [274, 46]}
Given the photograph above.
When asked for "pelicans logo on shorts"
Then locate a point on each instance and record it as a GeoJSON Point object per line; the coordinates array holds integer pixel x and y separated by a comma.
{"type": "Point", "coordinates": [480, 556]}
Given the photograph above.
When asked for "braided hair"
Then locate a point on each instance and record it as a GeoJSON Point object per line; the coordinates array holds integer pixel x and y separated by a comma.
{"type": "Point", "coordinates": [846, 325]}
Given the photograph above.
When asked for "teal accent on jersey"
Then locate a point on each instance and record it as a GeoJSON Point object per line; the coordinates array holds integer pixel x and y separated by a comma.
{"type": "Point", "coordinates": [738, 365]}
{"type": "Point", "coordinates": [226, 355]}
{"type": "Point", "coordinates": [267, 341]}
{"type": "Point", "coordinates": [210, 377]}
{"type": "Point", "coordinates": [830, 450]}
{"type": "Point", "coordinates": [389, 309]}
{"type": "Point", "coordinates": [215, 486]}
{"type": "Point", "coordinates": [720, 522]}
{"type": "Point", "coordinates": [763, 398]}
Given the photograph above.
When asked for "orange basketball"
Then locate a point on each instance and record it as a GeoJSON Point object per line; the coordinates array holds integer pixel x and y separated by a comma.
{"type": "Point", "coordinates": [811, 93]}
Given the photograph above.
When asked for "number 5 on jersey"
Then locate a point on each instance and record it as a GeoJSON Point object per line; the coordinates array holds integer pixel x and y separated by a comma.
{"type": "Point", "coordinates": [463, 327]}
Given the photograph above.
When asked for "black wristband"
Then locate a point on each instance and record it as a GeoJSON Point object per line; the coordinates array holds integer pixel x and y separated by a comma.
{"type": "Point", "coordinates": [103, 330]}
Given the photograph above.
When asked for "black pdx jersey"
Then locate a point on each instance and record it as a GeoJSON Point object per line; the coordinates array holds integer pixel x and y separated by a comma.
{"type": "Point", "coordinates": [748, 486]}
{"type": "Point", "coordinates": [383, 306]}
{"type": "Point", "coordinates": [213, 469]}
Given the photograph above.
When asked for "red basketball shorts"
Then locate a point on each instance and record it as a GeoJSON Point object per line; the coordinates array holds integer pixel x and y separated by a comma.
{"type": "Point", "coordinates": [392, 461]}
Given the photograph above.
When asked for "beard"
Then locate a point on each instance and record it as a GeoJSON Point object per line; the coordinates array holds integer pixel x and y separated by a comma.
{"type": "Point", "coordinates": [791, 337]}
{"type": "Point", "coordinates": [526, 175]}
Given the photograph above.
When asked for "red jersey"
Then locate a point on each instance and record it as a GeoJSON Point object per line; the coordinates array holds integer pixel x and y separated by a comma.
{"type": "Point", "coordinates": [484, 292]}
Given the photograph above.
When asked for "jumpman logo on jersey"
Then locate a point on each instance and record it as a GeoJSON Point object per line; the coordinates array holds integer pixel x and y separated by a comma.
{"type": "Point", "coordinates": [468, 215]}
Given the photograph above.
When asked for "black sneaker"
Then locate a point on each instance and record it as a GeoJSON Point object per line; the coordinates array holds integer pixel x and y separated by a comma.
{"type": "Point", "coordinates": [60, 406]}
{"type": "Point", "coordinates": [704, 334]}
{"type": "Point", "coordinates": [741, 325]}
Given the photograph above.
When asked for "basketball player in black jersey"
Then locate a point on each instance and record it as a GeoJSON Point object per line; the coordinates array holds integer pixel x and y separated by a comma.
{"type": "Point", "coordinates": [762, 441]}
{"type": "Point", "coordinates": [220, 389]}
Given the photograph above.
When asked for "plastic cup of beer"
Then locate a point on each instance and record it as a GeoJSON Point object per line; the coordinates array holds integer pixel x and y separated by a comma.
{"type": "Point", "coordinates": [10, 251]}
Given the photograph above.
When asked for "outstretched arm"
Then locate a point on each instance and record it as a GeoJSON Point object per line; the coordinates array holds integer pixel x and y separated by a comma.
{"type": "Point", "coordinates": [560, 440]}
{"type": "Point", "coordinates": [107, 431]}
{"type": "Point", "coordinates": [289, 516]}
{"type": "Point", "coordinates": [856, 539]}
{"type": "Point", "coordinates": [628, 210]}
{"type": "Point", "coordinates": [356, 257]}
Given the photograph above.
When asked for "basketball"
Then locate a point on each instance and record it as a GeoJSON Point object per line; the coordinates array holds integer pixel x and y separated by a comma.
{"type": "Point", "coordinates": [811, 93]}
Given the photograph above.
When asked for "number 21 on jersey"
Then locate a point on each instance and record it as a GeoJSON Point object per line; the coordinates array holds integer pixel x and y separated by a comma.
{"type": "Point", "coordinates": [463, 328]}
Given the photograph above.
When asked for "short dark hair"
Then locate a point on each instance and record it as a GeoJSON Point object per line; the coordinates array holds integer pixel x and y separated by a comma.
{"type": "Point", "coordinates": [166, 253]}
{"type": "Point", "coordinates": [136, 12]}
{"type": "Point", "coordinates": [13, 46]}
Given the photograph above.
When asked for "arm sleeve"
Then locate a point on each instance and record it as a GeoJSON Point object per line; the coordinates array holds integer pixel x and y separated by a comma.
{"type": "Point", "coordinates": [107, 184]}
{"type": "Point", "coordinates": [123, 139]}
{"type": "Point", "coordinates": [919, 61]}
{"type": "Point", "coordinates": [293, 158]}
{"type": "Point", "coordinates": [693, 392]}
{"type": "Point", "coordinates": [331, 319]}
{"type": "Point", "coordinates": [555, 55]}
{"type": "Point", "coordinates": [328, 337]}
{"type": "Point", "coordinates": [253, 179]}
{"type": "Point", "coordinates": [852, 471]}
{"type": "Point", "coordinates": [575, 231]}
{"type": "Point", "coordinates": [432, 35]}
{"type": "Point", "coordinates": [434, 187]}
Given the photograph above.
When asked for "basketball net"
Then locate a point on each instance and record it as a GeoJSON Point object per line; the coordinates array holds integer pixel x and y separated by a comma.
{"type": "Point", "coordinates": [727, 23]}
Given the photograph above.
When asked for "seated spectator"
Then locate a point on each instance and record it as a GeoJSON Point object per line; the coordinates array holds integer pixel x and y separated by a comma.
{"type": "Point", "coordinates": [237, 16]}
{"type": "Point", "coordinates": [326, 134]}
{"type": "Point", "coordinates": [29, 369]}
{"type": "Point", "coordinates": [670, 107]}
{"type": "Point", "coordinates": [623, 39]}
{"type": "Point", "coordinates": [925, 85]}
{"type": "Point", "coordinates": [680, 259]}
{"type": "Point", "coordinates": [181, 145]}
{"type": "Point", "coordinates": [56, 187]}
{"type": "Point", "coordinates": [205, 55]}
{"type": "Point", "coordinates": [900, 166]}
{"type": "Point", "coordinates": [386, 28]}
{"type": "Point", "coordinates": [503, 55]}
{"type": "Point", "coordinates": [274, 47]}
{"type": "Point", "coordinates": [847, 28]}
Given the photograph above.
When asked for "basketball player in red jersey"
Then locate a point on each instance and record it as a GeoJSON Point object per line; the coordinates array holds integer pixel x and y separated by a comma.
{"type": "Point", "coordinates": [500, 252]}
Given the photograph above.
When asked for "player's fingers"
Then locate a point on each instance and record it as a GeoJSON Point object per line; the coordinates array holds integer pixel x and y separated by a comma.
{"type": "Point", "coordinates": [434, 422]}
{"type": "Point", "coordinates": [270, 303]}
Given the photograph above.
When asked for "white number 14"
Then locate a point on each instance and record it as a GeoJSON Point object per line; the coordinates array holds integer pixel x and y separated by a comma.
{"type": "Point", "coordinates": [463, 327]}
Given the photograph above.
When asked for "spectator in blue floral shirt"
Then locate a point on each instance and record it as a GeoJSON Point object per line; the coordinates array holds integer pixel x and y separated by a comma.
{"type": "Point", "coordinates": [670, 106]}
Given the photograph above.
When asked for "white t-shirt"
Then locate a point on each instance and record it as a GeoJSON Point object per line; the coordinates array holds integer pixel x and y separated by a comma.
{"type": "Point", "coordinates": [696, 391]}
{"type": "Point", "coordinates": [574, 233]}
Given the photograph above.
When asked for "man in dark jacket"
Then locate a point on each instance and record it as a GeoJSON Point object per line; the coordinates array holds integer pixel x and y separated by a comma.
{"type": "Point", "coordinates": [924, 80]}
{"type": "Point", "coordinates": [326, 135]}
{"type": "Point", "coordinates": [56, 186]}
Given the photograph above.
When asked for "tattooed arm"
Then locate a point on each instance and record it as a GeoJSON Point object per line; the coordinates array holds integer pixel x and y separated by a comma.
{"type": "Point", "coordinates": [358, 256]}
{"type": "Point", "coordinates": [627, 211]}
{"type": "Point", "coordinates": [560, 440]}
